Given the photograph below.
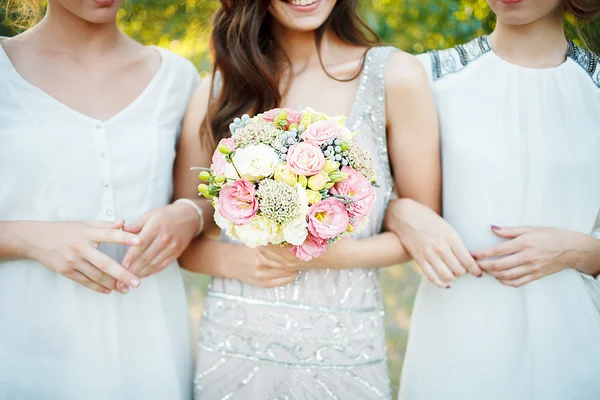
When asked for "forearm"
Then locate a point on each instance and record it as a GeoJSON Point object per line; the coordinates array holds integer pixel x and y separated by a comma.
{"type": "Point", "coordinates": [210, 256]}
{"type": "Point", "coordinates": [383, 250]}
{"type": "Point", "coordinates": [14, 239]}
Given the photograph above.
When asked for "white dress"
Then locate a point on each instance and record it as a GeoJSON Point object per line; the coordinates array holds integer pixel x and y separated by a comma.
{"type": "Point", "coordinates": [520, 147]}
{"type": "Point", "coordinates": [60, 340]}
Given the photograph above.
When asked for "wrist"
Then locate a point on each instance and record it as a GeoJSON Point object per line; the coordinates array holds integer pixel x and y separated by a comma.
{"type": "Point", "coordinates": [587, 257]}
{"type": "Point", "coordinates": [191, 216]}
{"type": "Point", "coordinates": [25, 241]}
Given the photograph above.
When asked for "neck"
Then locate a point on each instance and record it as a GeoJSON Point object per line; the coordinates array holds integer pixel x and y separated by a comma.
{"type": "Point", "coordinates": [301, 47]}
{"type": "Point", "coordinates": [61, 29]}
{"type": "Point", "coordinates": [540, 44]}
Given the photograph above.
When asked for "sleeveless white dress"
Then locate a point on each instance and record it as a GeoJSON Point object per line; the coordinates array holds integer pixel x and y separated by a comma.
{"type": "Point", "coordinates": [520, 147]}
{"type": "Point", "coordinates": [59, 340]}
{"type": "Point", "coordinates": [321, 337]}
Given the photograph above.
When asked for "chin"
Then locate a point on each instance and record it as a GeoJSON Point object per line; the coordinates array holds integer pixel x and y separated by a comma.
{"type": "Point", "coordinates": [301, 15]}
{"type": "Point", "coordinates": [523, 12]}
{"type": "Point", "coordinates": [99, 11]}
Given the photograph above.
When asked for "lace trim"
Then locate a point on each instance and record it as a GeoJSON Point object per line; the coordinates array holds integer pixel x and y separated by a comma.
{"type": "Point", "coordinates": [451, 61]}
{"type": "Point", "coordinates": [587, 60]}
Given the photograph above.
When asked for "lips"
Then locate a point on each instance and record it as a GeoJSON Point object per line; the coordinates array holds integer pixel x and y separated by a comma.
{"type": "Point", "coordinates": [301, 2]}
{"type": "Point", "coordinates": [509, 2]}
{"type": "Point", "coordinates": [104, 3]}
{"type": "Point", "coordinates": [303, 6]}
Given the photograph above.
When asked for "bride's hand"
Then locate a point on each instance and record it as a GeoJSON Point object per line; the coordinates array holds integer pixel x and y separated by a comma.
{"type": "Point", "coordinates": [431, 241]}
{"type": "Point", "coordinates": [280, 257]}
{"type": "Point", "coordinates": [71, 249]}
{"type": "Point", "coordinates": [533, 253]}
{"type": "Point", "coordinates": [257, 270]}
{"type": "Point", "coordinates": [165, 233]}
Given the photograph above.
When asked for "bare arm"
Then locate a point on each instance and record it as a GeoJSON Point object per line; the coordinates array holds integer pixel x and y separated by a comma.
{"type": "Point", "coordinates": [412, 141]}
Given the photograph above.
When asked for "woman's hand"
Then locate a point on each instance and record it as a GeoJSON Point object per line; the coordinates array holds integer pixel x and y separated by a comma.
{"type": "Point", "coordinates": [259, 271]}
{"type": "Point", "coordinates": [280, 257]}
{"type": "Point", "coordinates": [431, 241]}
{"type": "Point", "coordinates": [165, 233]}
{"type": "Point", "coordinates": [71, 249]}
{"type": "Point", "coordinates": [532, 253]}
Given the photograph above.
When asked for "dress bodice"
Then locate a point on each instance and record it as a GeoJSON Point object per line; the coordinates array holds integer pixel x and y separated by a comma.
{"type": "Point", "coordinates": [351, 288]}
{"type": "Point", "coordinates": [531, 135]}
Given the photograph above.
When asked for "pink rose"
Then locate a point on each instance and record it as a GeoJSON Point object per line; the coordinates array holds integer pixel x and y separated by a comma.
{"type": "Point", "coordinates": [360, 189]}
{"type": "Point", "coordinates": [312, 247]}
{"type": "Point", "coordinates": [327, 219]}
{"type": "Point", "coordinates": [305, 159]}
{"type": "Point", "coordinates": [293, 116]}
{"type": "Point", "coordinates": [319, 132]}
{"type": "Point", "coordinates": [237, 202]}
{"type": "Point", "coordinates": [218, 159]}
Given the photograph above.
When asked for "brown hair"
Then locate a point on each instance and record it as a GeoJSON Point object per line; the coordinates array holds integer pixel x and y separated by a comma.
{"type": "Point", "coordinates": [583, 10]}
{"type": "Point", "coordinates": [22, 13]}
{"type": "Point", "coordinates": [249, 60]}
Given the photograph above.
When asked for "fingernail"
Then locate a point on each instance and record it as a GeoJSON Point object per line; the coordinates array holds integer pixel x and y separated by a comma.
{"type": "Point", "coordinates": [127, 264]}
{"type": "Point", "coordinates": [447, 287]}
{"type": "Point", "coordinates": [474, 256]}
{"type": "Point", "coordinates": [479, 276]}
{"type": "Point", "coordinates": [495, 228]}
{"type": "Point", "coordinates": [135, 241]}
{"type": "Point", "coordinates": [125, 290]}
{"type": "Point", "coordinates": [107, 291]}
{"type": "Point", "coordinates": [135, 282]}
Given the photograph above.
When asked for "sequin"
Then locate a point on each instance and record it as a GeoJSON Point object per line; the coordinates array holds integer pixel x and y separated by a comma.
{"type": "Point", "coordinates": [323, 333]}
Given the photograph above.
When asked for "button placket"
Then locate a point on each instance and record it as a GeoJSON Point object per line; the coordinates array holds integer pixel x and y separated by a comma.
{"type": "Point", "coordinates": [108, 206]}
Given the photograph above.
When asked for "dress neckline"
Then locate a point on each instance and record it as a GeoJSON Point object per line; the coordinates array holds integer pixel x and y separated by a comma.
{"type": "Point", "coordinates": [11, 69]}
{"type": "Point", "coordinates": [555, 68]}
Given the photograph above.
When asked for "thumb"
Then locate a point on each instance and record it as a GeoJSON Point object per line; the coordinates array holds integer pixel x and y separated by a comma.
{"type": "Point", "coordinates": [137, 226]}
{"type": "Point", "coordinates": [510, 232]}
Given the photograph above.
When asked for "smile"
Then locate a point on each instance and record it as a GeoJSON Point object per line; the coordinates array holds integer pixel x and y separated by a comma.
{"type": "Point", "coordinates": [301, 2]}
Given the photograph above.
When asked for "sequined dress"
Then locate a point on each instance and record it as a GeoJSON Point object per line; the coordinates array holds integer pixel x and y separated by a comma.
{"type": "Point", "coordinates": [321, 337]}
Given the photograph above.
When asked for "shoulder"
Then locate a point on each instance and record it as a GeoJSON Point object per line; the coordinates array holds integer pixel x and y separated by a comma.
{"type": "Point", "coordinates": [404, 72]}
{"type": "Point", "coordinates": [441, 63]}
{"type": "Point", "coordinates": [178, 64]}
{"type": "Point", "coordinates": [588, 61]}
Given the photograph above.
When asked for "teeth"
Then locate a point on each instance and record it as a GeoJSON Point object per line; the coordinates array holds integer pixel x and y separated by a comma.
{"type": "Point", "coordinates": [302, 2]}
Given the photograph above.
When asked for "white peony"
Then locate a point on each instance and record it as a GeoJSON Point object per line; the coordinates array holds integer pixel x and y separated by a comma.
{"type": "Point", "coordinates": [346, 134]}
{"type": "Point", "coordinates": [224, 223]}
{"type": "Point", "coordinates": [261, 231]}
{"type": "Point", "coordinates": [255, 162]}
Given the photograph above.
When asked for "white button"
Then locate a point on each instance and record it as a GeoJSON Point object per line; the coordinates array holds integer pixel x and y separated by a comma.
{"type": "Point", "coordinates": [108, 212]}
{"type": "Point", "coordinates": [103, 155]}
{"type": "Point", "coordinates": [98, 125]}
{"type": "Point", "coordinates": [105, 184]}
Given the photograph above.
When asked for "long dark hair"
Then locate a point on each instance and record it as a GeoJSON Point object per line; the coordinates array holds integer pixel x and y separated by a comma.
{"type": "Point", "coordinates": [248, 59]}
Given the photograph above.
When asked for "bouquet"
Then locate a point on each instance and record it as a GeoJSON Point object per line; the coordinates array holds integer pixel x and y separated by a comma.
{"type": "Point", "coordinates": [288, 177]}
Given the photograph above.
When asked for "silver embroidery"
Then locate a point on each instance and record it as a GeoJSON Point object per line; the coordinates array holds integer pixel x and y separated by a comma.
{"type": "Point", "coordinates": [450, 61]}
{"type": "Point", "coordinates": [587, 60]}
{"type": "Point", "coordinates": [325, 322]}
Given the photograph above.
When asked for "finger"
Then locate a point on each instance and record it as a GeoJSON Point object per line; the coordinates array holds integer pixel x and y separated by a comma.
{"type": "Point", "coordinates": [147, 237]}
{"type": "Point", "coordinates": [116, 236]}
{"type": "Point", "coordinates": [282, 281]}
{"type": "Point", "coordinates": [148, 257]}
{"type": "Point", "coordinates": [105, 224]}
{"type": "Point", "coordinates": [87, 282]}
{"type": "Point", "coordinates": [524, 280]}
{"type": "Point", "coordinates": [276, 258]}
{"type": "Point", "coordinates": [503, 263]}
{"type": "Point", "coordinates": [138, 225]}
{"type": "Point", "coordinates": [432, 275]}
{"type": "Point", "coordinates": [268, 262]}
{"type": "Point", "coordinates": [467, 260]}
{"type": "Point", "coordinates": [111, 267]}
{"type": "Point", "coordinates": [511, 274]}
{"type": "Point", "coordinates": [101, 278]}
{"type": "Point", "coordinates": [156, 266]}
{"type": "Point", "coordinates": [449, 258]}
{"type": "Point", "coordinates": [442, 270]}
{"type": "Point", "coordinates": [511, 232]}
{"type": "Point", "coordinates": [504, 249]}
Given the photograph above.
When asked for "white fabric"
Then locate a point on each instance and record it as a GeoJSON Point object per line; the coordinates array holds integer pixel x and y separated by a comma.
{"type": "Point", "coordinates": [520, 147]}
{"type": "Point", "coordinates": [59, 340]}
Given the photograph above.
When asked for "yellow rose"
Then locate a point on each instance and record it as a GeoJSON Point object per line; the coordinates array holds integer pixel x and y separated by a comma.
{"type": "Point", "coordinates": [331, 166]}
{"type": "Point", "coordinates": [313, 197]}
{"type": "Point", "coordinates": [285, 175]}
{"type": "Point", "coordinates": [318, 182]}
{"type": "Point", "coordinates": [340, 120]}
{"type": "Point", "coordinates": [303, 181]}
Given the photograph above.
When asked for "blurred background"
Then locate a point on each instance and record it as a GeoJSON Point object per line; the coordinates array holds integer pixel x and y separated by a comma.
{"type": "Point", "coordinates": [415, 26]}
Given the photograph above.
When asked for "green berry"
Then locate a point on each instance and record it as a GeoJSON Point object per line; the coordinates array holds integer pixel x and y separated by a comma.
{"type": "Point", "coordinates": [205, 176]}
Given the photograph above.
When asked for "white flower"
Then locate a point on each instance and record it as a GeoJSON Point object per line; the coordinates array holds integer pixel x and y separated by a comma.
{"type": "Point", "coordinates": [224, 223]}
{"type": "Point", "coordinates": [261, 231]}
{"type": "Point", "coordinates": [346, 134]}
{"type": "Point", "coordinates": [295, 232]}
{"type": "Point", "coordinates": [255, 162]}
